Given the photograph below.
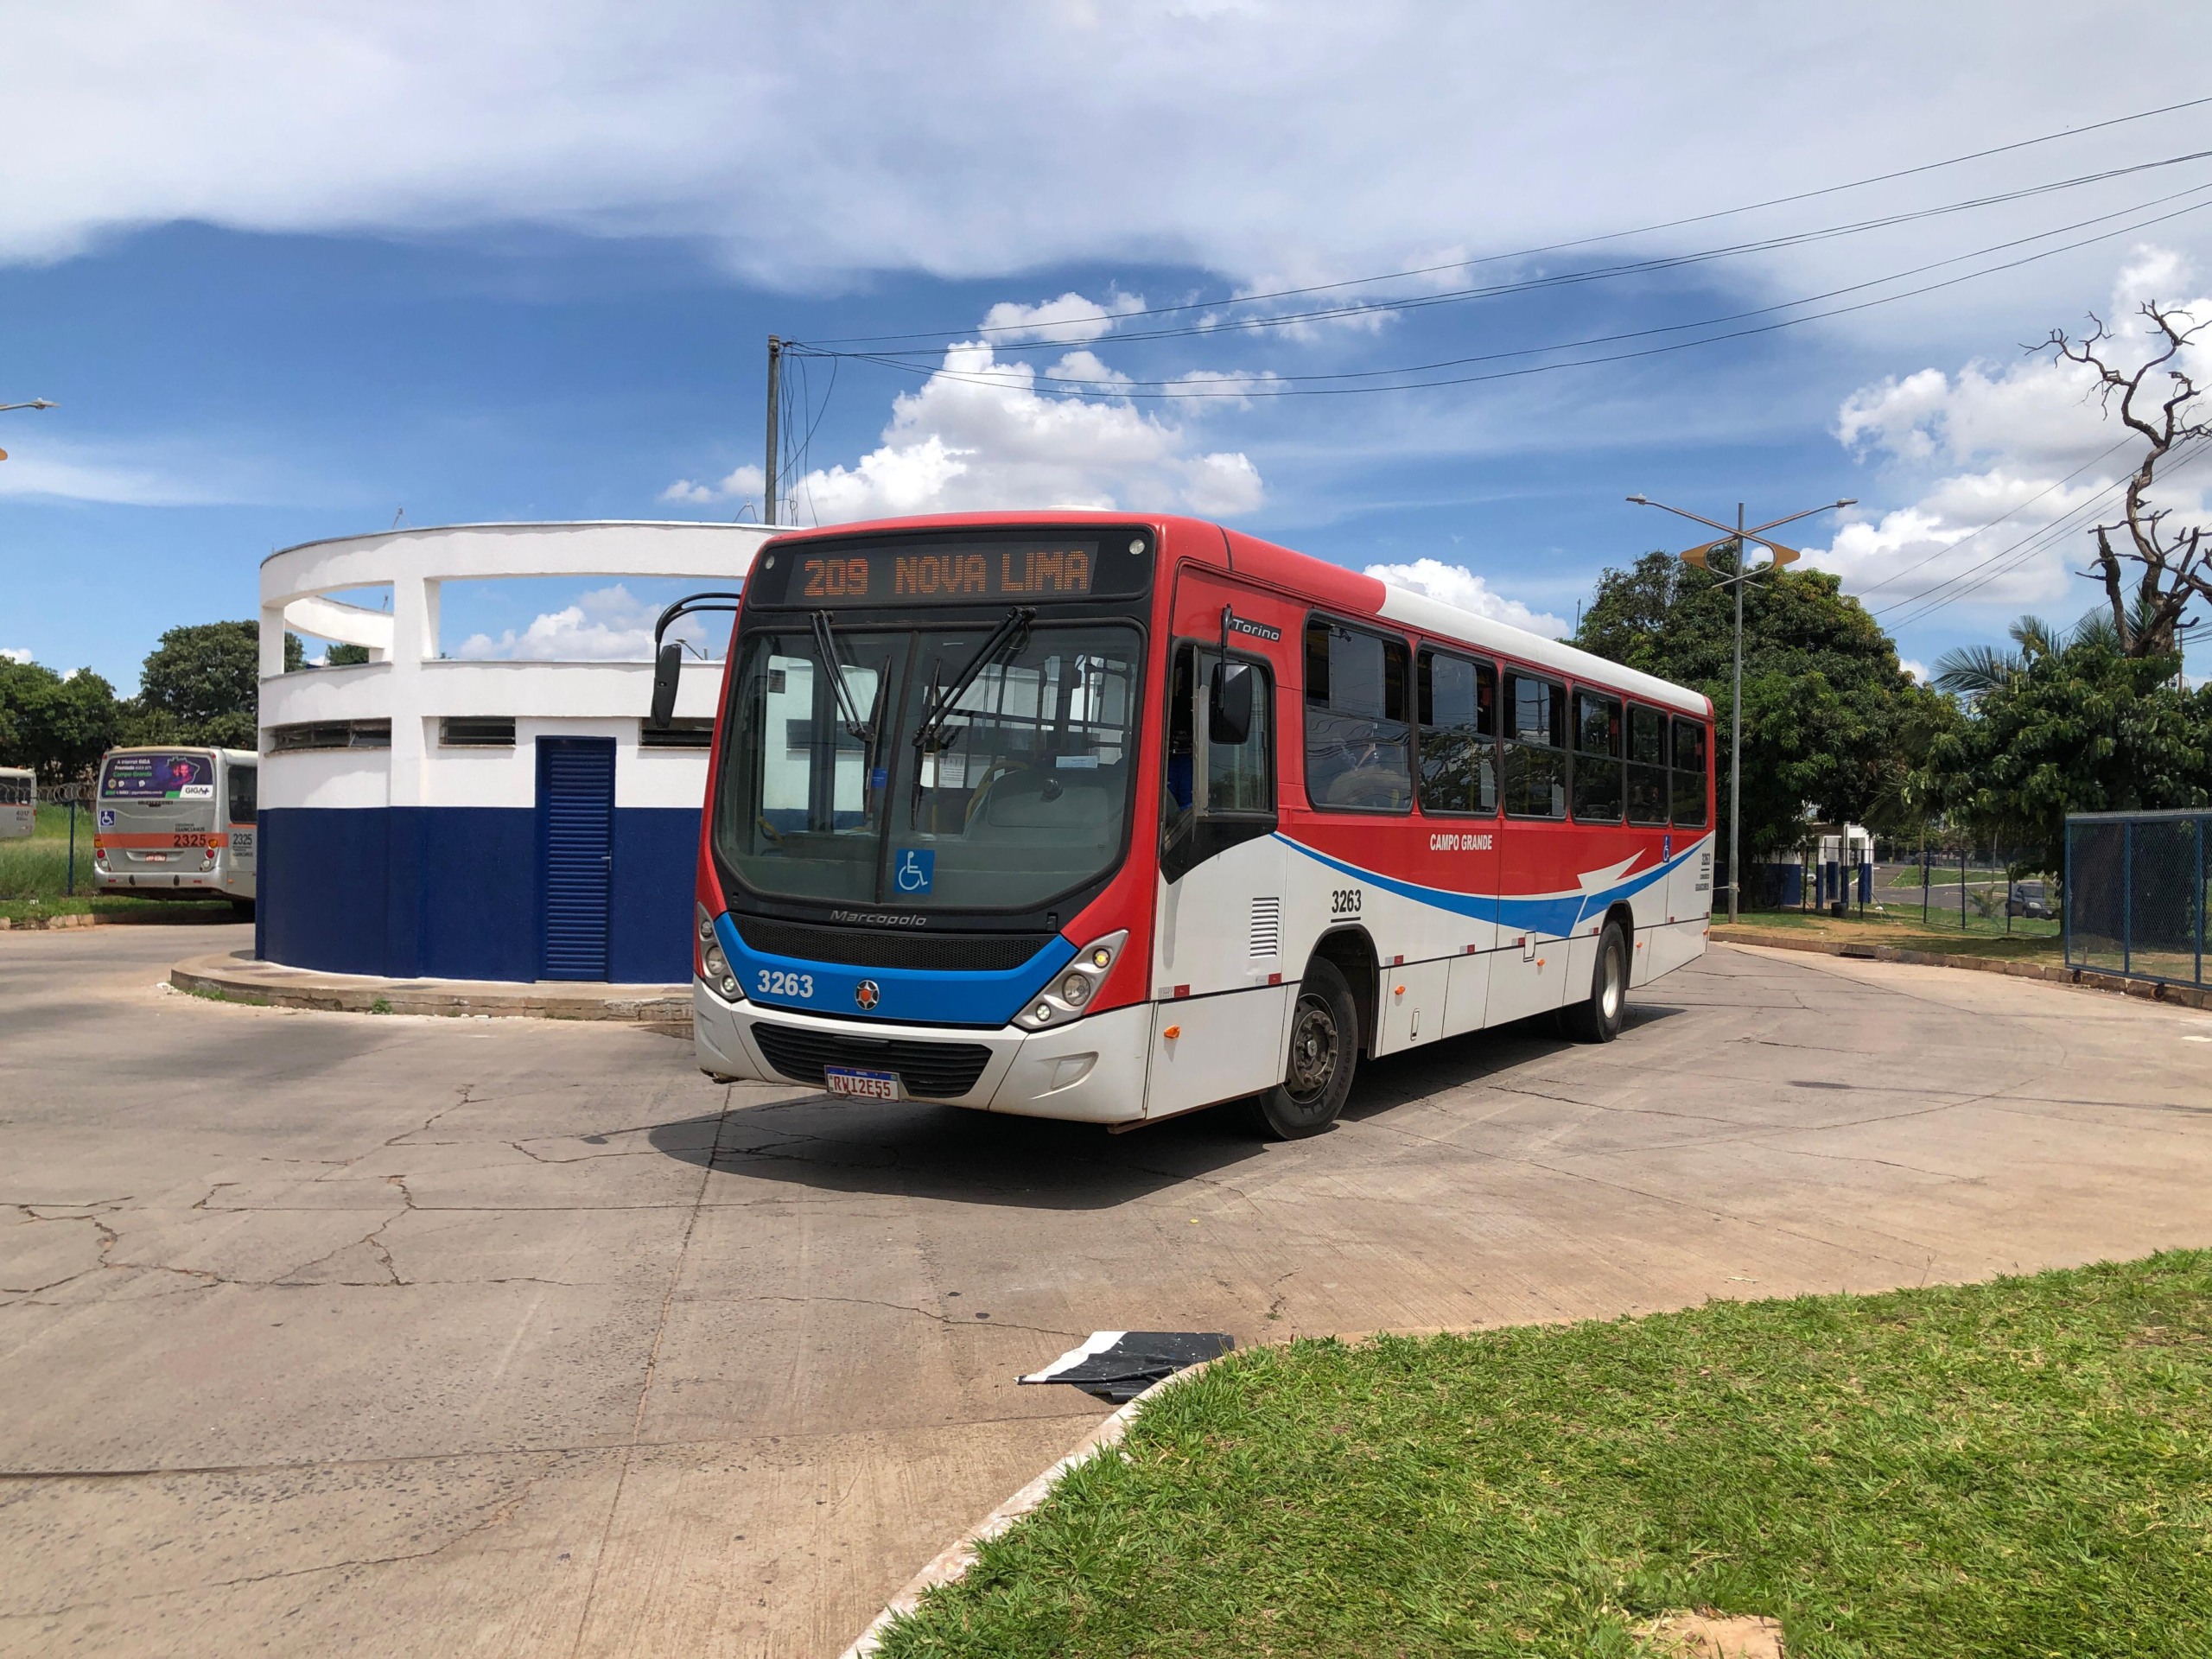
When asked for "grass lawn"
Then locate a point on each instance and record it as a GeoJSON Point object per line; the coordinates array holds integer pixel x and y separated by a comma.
{"type": "Point", "coordinates": [34, 875]}
{"type": "Point", "coordinates": [2018, 1468]}
{"type": "Point", "coordinates": [2030, 940]}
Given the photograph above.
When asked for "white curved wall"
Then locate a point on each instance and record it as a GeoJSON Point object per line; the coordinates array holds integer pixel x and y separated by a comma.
{"type": "Point", "coordinates": [414, 689]}
{"type": "Point", "coordinates": [423, 859]}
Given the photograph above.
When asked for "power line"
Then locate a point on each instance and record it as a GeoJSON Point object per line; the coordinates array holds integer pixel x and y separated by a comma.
{"type": "Point", "coordinates": [1123, 385]}
{"type": "Point", "coordinates": [1247, 386]}
{"type": "Point", "coordinates": [1943, 552]}
{"type": "Point", "coordinates": [971, 332]}
{"type": "Point", "coordinates": [2009, 559]}
{"type": "Point", "coordinates": [1571, 278]}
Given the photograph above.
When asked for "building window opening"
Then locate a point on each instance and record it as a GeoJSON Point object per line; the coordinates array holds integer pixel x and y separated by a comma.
{"type": "Point", "coordinates": [477, 732]}
{"type": "Point", "coordinates": [330, 735]}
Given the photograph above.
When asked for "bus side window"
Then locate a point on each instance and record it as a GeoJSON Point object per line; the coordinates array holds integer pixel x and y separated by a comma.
{"type": "Point", "coordinates": [1175, 798]}
{"type": "Point", "coordinates": [1358, 740]}
{"type": "Point", "coordinates": [244, 787]}
{"type": "Point", "coordinates": [1239, 778]}
{"type": "Point", "coordinates": [1457, 704]}
{"type": "Point", "coordinates": [1689, 774]}
{"type": "Point", "coordinates": [1597, 758]}
{"type": "Point", "coordinates": [1535, 747]}
{"type": "Point", "coordinates": [1647, 766]}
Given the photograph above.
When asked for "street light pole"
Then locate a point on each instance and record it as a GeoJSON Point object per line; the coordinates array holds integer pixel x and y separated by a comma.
{"type": "Point", "coordinates": [1736, 733]}
{"type": "Point", "coordinates": [1739, 538]}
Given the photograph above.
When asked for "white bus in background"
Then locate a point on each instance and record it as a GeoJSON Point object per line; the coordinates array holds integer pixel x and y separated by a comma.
{"type": "Point", "coordinates": [177, 819]}
{"type": "Point", "coordinates": [18, 802]}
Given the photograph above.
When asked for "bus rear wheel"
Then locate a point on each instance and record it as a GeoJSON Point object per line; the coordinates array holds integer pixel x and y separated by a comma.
{"type": "Point", "coordinates": [1598, 1020]}
{"type": "Point", "coordinates": [1323, 1050]}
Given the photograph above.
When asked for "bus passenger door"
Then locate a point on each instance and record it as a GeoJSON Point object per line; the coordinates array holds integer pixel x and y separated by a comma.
{"type": "Point", "coordinates": [241, 792]}
{"type": "Point", "coordinates": [1218, 973]}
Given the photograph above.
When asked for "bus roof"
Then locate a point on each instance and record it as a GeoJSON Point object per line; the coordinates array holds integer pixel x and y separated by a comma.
{"type": "Point", "coordinates": [1333, 588]}
{"type": "Point", "coordinates": [236, 757]}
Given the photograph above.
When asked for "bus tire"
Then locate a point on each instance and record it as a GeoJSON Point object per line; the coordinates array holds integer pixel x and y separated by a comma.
{"type": "Point", "coordinates": [1324, 1051]}
{"type": "Point", "coordinates": [1598, 1019]}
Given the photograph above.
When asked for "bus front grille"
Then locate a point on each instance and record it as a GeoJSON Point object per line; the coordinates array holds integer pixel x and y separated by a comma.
{"type": "Point", "coordinates": [860, 947]}
{"type": "Point", "coordinates": [930, 1071]}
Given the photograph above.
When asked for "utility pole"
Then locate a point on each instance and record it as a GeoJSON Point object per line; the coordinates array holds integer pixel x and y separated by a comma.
{"type": "Point", "coordinates": [1739, 540]}
{"type": "Point", "coordinates": [775, 390]}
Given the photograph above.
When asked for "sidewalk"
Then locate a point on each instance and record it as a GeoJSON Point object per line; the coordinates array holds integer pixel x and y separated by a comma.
{"type": "Point", "coordinates": [237, 978]}
{"type": "Point", "coordinates": [2186, 996]}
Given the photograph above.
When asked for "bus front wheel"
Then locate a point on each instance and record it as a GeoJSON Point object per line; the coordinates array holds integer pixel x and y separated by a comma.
{"type": "Point", "coordinates": [1598, 1020]}
{"type": "Point", "coordinates": [1324, 1049]}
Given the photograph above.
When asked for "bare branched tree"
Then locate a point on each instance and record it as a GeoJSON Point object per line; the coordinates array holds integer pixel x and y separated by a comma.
{"type": "Point", "coordinates": [2176, 567]}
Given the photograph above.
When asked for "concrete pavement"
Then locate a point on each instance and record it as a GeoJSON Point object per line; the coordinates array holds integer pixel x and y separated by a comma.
{"type": "Point", "coordinates": [328, 1332]}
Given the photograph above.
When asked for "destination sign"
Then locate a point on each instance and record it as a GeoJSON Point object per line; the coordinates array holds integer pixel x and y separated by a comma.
{"type": "Point", "coordinates": [1029, 569]}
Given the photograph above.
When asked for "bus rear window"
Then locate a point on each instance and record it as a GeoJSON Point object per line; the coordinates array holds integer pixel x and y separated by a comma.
{"type": "Point", "coordinates": [159, 778]}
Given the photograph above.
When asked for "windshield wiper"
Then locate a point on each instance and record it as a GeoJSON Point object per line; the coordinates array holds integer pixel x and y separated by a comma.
{"type": "Point", "coordinates": [1013, 629]}
{"type": "Point", "coordinates": [833, 664]}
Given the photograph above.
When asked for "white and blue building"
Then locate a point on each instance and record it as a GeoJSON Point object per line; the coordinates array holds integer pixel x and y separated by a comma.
{"type": "Point", "coordinates": [424, 815]}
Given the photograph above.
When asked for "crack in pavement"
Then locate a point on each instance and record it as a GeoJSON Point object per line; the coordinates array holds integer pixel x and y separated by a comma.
{"type": "Point", "coordinates": [976, 1322]}
{"type": "Point", "coordinates": [646, 1385]}
{"type": "Point", "coordinates": [499, 1516]}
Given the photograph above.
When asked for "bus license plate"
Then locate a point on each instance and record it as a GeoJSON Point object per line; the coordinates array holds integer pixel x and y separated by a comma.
{"type": "Point", "coordinates": [870, 1085]}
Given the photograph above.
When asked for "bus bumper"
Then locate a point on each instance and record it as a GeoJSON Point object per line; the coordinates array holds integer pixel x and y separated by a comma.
{"type": "Point", "coordinates": [1091, 1072]}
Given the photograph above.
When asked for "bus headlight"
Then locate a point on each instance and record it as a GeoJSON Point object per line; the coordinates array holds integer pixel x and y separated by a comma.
{"type": "Point", "coordinates": [1076, 986]}
{"type": "Point", "coordinates": [713, 966]}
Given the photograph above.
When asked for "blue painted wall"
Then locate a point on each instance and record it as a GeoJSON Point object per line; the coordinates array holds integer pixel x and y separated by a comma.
{"type": "Point", "coordinates": [453, 892]}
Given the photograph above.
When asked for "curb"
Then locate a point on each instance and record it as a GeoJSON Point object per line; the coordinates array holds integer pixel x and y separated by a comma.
{"type": "Point", "coordinates": [2150, 990]}
{"type": "Point", "coordinates": [952, 1562]}
{"type": "Point", "coordinates": [119, 918]}
{"type": "Point", "coordinates": [663, 1008]}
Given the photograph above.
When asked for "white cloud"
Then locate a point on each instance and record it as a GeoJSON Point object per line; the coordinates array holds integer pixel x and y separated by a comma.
{"type": "Point", "coordinates": [1069, 320]}
{"type": "Point", "coordinates": [44, 469]}
{"type": "Point", "coordinates": [605, 625]}
{"type": "Point", "coordinates": [1086, 367]}
{"type": "Point", "coordinates": [1915, 667]}
{"type": "Point", "coordinates": [1457, 585]}
{"type": "Point", "coordinates": [2023, 442]}
{"type": "Point", "coordinates": [848, 136]}
{"type": "Point", "coordinates": [14, 654]}
{"type": "Point", "coordinates": [978, 436]}
{"type": "Point", "coordinates": [743, 481]}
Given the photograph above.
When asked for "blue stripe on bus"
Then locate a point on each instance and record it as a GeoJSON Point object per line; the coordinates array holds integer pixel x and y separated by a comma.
{"type": "Point", "coordinates": [1553, 914]}
{"type": "Point", "coordinates": [910, 995]}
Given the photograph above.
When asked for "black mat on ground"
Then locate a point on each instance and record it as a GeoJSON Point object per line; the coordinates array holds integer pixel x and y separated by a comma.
{"type": "Point", "coordinates": [1119, 1365]}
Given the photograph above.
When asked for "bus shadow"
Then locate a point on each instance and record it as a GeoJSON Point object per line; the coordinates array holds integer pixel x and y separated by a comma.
{"type": "Point", "coordinates": [1479, 1055]}
{"type": "Point", "coordinates": [914, 1150]}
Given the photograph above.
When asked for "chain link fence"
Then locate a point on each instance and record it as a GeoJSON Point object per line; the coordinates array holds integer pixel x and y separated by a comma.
{"type": "Point", "coordinates": [2135, 893]}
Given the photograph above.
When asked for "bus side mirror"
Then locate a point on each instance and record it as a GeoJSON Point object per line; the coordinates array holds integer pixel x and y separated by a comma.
{"type": "Point", "coordinates": [1229, 704]}
{"type": "Point", "coordinates": [666, 668]}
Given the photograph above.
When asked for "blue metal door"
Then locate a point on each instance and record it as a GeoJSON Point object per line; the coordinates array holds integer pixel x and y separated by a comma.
{"type": "Point", "coordinates": [575, 842]}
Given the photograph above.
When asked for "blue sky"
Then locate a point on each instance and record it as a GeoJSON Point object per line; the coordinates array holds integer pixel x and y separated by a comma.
{"type": "Point", "coordinates": [302, 287]}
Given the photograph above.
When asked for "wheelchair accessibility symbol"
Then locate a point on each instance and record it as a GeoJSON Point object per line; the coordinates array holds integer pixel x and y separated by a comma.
{"type": "Point", "coordinates": [915, 870]}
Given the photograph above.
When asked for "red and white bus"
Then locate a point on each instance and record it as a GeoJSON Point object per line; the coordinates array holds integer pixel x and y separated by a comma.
{"type": "Point", "coordinates": [1108, 817]}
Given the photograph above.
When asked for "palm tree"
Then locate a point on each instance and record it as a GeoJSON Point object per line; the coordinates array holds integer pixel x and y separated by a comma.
{"type": "Point", "coordinates": [1970, 671]}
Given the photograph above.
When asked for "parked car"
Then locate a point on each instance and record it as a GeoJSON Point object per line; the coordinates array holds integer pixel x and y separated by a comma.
{"type": "Point", "coordinates": [2028, 898]}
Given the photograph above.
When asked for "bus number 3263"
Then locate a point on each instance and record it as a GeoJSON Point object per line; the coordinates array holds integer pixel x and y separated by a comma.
{"type": "Point", "coordinates": [774, 982]}
{"type": "Point", "coordinates": [1345, 901]}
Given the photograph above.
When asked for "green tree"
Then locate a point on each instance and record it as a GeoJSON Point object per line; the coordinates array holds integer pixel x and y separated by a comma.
{"type": "Point", "coordinates": [58, 726]}
{"type": "Point", "coordinates": [2067, 723]}
{"type": "Point", "coordinates": [202, 684]}
{"type": "Point", "coordinates": [1832, 721]}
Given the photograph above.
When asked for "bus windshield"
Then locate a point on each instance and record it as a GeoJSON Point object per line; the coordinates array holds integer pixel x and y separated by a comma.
{"type": "Point", "coordinates": [1015, 793]}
